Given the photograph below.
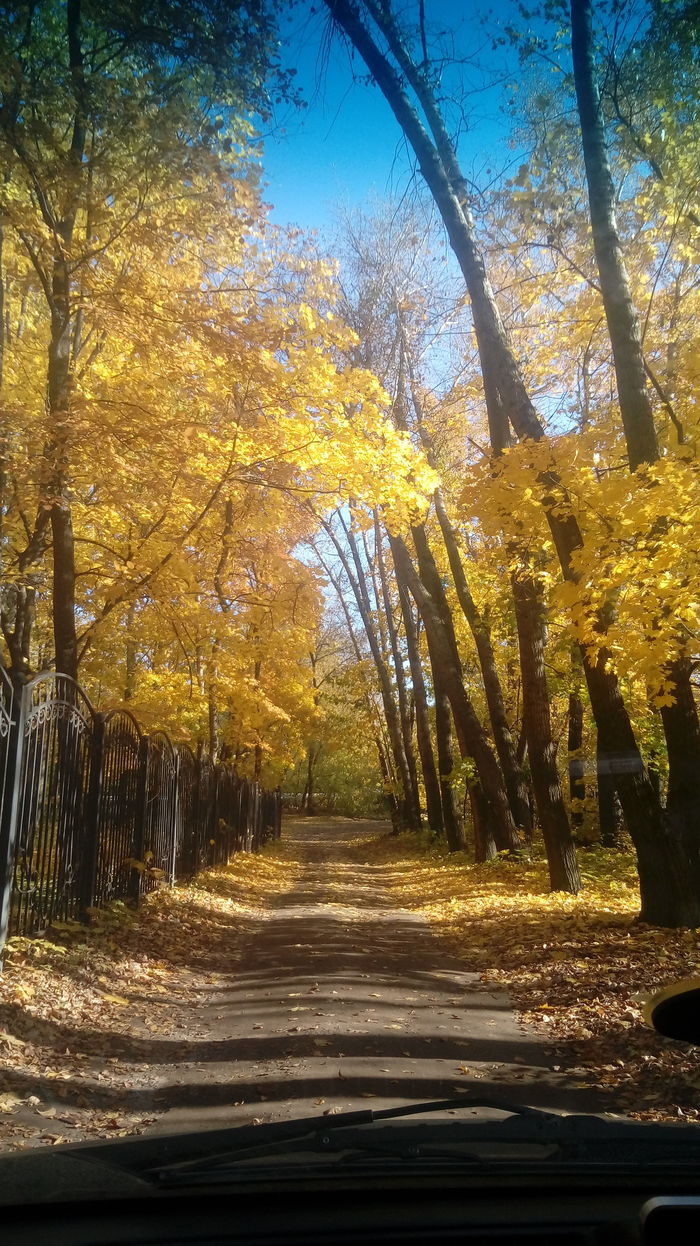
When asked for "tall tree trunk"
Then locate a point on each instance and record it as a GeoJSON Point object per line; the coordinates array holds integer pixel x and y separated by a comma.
{"type": "Point", "coordinates": [682, 733]}
{"type": "Point", "coordinates": [577, 782]}
{"type": "Point", "coordinates": [505, 832]}
{"type": "Point", "coordinates": [257, 752]}
{"type": "Point", "coordinates": [383, 751]}
{"type": "Point", "coordinates": [400, 679]}
{"type": "Point", "coordinates": [313, 751]}
{"type": "Point", "coordinates": [668, 887]}
{"type": "Point", "coordinates": [213, 701]}
{"type": "Point", "coordinates": [17, 624]}
{"type": "Point", "coordinates": [431, 783]}
{"type": "Point", "coordinates": [472, 737]}
{"type": "Point", "coordinates": [516, 784]}
{"type": "Point", "coordinates": [59, 376]}
{"type": "Point", "coordinates": [609, 813]}
{"type": "Point", "coordinates": [391, 713]}
{"type": "Point", "coordinates": [484, 843]}
{"type": "Point", "coordinates": [620, 311]}
{"type": "Point", "coordinates": [680, 720]}
{"type": "Point", "coordinates": [130, 655]}
{"type": "Point", "coordinates": [59, 402]}
{"type": "Point", "coordinates": [454, 829]}
{"type": "Point", "coordinates": [309, 800]}
{"type": "Point", "coordinates": [561, 853]}
{"type": "Point", "coordinates": [670, 896]}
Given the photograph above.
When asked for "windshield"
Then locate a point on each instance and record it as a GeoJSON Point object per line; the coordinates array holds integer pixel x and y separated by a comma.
{"type": "Point", "coordinates": [349, 737]}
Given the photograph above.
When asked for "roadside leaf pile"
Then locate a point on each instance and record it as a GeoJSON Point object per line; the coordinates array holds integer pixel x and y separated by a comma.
{"type": "Point", "coordinates": [91, 1018]}
{"type": "Point", "coordinates": [579, 967]}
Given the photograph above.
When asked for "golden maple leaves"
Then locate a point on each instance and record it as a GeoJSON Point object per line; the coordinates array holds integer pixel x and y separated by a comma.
{"type": "Point", "coordinates": [207, 383]}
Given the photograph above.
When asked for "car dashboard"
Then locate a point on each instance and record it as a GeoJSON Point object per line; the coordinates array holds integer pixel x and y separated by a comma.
{"type": "Point", "coordinates": [360, 1209]}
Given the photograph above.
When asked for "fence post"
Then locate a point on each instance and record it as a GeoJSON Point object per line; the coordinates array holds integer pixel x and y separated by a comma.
{"type": "Point", "coordinates": [214, 827]}
{"type": "Point", "coordinates": [10, 808]}
{"type": "Point", "coordinates": [176, 818]}
{"type": "Point", "coordinates": [257, 818]}
{"type": "Point", "coordinates": [191, 856]}
{"type": "Point", "coordinates": [139, 840]}
{"type": "Point", "coordinates": [245, 804]}
{"type": "Point", "coordinates": [88, 880]}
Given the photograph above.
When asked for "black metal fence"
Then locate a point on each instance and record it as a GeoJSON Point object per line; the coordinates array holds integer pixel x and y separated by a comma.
{"type": "Point", "coordinates": [93, 810]}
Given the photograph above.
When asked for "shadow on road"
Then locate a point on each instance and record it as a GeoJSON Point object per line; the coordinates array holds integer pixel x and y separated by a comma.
{"type": "Point", "coordinates": [334, 999]}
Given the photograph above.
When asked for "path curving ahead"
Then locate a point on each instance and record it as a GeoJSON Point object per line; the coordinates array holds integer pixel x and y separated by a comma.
{"type": "Point", "coordinates": [341, 1000]}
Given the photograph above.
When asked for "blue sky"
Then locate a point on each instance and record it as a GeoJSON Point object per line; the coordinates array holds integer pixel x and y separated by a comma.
{"type": "Point", "coordinates": [345, 147]}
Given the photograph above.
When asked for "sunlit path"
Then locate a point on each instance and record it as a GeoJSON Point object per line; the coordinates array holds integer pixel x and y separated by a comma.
{"type": "Point", "coordinates": [340, 1000]}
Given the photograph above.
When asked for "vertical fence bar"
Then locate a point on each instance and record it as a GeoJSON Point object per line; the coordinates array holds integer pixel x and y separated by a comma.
{"type": "Point", "coordinates": [91, 824]}
{"type": "Point", "coordinates": [138, 848]}
{"type": "Point", "coordinates": [213, 816]}
{"type": "Point", "coordinates": [191, 858]}
{"type": "Point", "coordinates": [206, 779]}
{"type": "Point", "coordinates": [176, 821]}
{"type": "Point", "coordinates": [118, 806]}
{"type": "Point", "coordinates": [257, 819]}
{"type": "Point", "coordinates": [82, 793]}
{"type": "Point", "coordinates": [10, 804]}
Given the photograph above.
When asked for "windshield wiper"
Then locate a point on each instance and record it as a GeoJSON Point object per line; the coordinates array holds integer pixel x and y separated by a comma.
{"type": "Point", "coordinates": [325, 1134]}
{"type": "Point", "coordinates": [527, 1134]}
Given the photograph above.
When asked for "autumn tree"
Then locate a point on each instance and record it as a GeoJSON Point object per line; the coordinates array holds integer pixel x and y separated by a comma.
{"type": "Point", "coordinates": [389, 306]}
{"type": "Point", "coordinates": [104, 112]}
{"type": "Point", "coordinates": [667, 880]}
{"type": "Point", "coordinates": [678, 710]}
{"type": "Point", "coordinates": [201, 398]}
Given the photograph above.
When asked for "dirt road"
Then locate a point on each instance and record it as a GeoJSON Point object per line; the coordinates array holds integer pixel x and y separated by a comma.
{"type": "Point", "coordinates": [338, 999]}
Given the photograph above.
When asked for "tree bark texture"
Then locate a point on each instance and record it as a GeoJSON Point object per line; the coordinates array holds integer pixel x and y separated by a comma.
{"type": "Point", "coordinates": [485, 848]}
{"type": "Point", "coordinates": [577, 782]}
{"type": "Point", "coordinates": [515, 781]}
{"type": "Point", "coordinates": [431, 782]}
{"type": "Point", "coordinates": [516, 784]}
{"type": "Point", "coordinates": [454, 828]}
{"type": "Point", "coordinates": [561, 853]}
{"type": "Point", "coordinates": [308, 802]}
{"type": "Point", "coordinates": [472, 737]}
{"type": "Point", "coordinates": [609, 812]}
{"type": "Point", "coordinates": [620, 311]}
{"type": "Point", "coordinates": [683, 741]}
{"type": "Point", "coordinates": [59, 374]}
{"type": "Point", "coordinates": [383, 747]}
{"type": "Point", "coordinates": [17, 624]}
{"type": "Point", "coordinates": [391, 713]}
{"type": "Point", "coordinates": [400, 679]}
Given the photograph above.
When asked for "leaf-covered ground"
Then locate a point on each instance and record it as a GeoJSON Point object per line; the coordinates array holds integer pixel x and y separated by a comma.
{"type": "Point", "coordinates": [578, 967]}
{"type": "Point", "coordinates": [81, 1011]}
{"type": "Point", "coordinates": [75, 1003]}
